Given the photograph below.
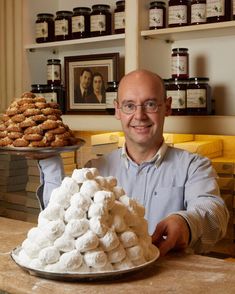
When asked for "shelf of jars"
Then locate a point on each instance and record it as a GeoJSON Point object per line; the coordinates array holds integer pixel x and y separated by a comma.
{"type": "Point", "coordinates": [208, 30]}
{"type": "Point", "coordinates": [75, 42]}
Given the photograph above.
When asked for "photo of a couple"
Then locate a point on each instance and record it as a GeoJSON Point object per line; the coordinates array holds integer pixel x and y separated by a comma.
{"type": "Point", "coordinates": [89, 86]}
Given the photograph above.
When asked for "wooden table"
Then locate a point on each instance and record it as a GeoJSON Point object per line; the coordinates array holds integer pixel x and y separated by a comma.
{"type": "Point", "coordinates": [176, 273]}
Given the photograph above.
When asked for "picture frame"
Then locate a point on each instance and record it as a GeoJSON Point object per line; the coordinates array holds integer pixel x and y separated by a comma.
{"type": "Point", "coordinates": [86, 78]}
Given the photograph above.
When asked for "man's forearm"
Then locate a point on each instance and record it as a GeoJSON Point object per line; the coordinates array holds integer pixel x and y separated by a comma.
{"type": "Point", "coordinates": [208, 220]}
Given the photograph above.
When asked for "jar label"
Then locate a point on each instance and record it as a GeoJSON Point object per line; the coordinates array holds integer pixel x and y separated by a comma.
{"type": "Point", "coordinates": [110, 97]}
{"type": "Point", "coordinates": [42, 30]}
{"type": "Point", "coordinates": [198, 13]}
{"type": "Point", "coordinates": [179, 65]}
{"type": "Point", "coordinates": [78, 24]}
{"type": "Point", "coordinates": [53, 72]}
{"type": "Point", "coordinates": [51, 97]}
{"type": "Point", "coordinates": [215, 8]}
{"type": "Point", "coordinates": [119, 20]}
{"type": "Point", "coordinates": [61, 27]}
{"type": "Point", "coordinates": [178, 98]}
{"type": "Point", "coordinates": [196, 98]}
{"type": "Point", "coordinates": [177, 14]}
{"type": "Point", "coordinates": [98, 23]}
{"type": "Point", "coordinates": [156, 17]}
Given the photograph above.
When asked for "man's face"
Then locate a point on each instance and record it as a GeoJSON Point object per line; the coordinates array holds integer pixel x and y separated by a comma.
{"type": "Point", "coordinates": [142, 128]}
{"type": "Point", "coordinates": [97, 83]}
{"type": "Point", "coordinates": [85, 79]}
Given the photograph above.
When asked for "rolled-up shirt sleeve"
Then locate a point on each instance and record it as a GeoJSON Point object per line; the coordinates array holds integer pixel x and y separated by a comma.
{"type": "Point", "coordinates": [51, 175]}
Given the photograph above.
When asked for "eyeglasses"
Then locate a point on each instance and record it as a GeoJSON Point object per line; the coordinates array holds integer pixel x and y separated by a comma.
{"type": "Point", "coordinates": [150, 106]}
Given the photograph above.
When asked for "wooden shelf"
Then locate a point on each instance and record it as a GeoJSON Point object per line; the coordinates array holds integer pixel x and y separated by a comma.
{"type": "Point", "coordinates": [75, 42]}
{"type": "Point", "coordinates": [192, 32]}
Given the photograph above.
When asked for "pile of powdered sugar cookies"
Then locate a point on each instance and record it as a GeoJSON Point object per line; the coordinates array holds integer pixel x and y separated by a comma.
{"type": "Point", "coordinates": [89, 225]}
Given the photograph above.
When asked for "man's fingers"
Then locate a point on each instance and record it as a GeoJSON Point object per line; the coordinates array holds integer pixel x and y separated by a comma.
{"type": "Point", "coordinates": [158, 234]}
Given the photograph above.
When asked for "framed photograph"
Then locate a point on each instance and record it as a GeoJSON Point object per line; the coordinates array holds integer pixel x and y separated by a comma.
{"type": "Point", "coordinates": [86, 78]}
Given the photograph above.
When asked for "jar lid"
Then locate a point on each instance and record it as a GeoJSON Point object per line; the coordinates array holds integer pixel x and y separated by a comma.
{"type": "Point", "coordinates": [39, 86]}
{"type": "Point", "coordinates": [179, 49]}
{"type": "Point", "coordinates": [199, 79]}
{"type": "Point", "coordinates": [177, 80]}
{"type": "Point", "coordinates": [45, 14]}
{"type": "Point", "coordinates": [157, 3]}
{"type": "Point", "coordinates": [120, 3]}
{"type": "Point", "coordinates": [98, 6]}
{"type": "Point", "coordinates": [64, 12]}
{"type": "Point", "coordinates": [53, 60]}
{"type": "Point", "coordinates": [55, 87]}
{"type": "Point", "coordinates": [87, 9]}
{"type": "Point", "coordinates": [36, 85]}
{"type": "Point", "coordinates": [113, 83]}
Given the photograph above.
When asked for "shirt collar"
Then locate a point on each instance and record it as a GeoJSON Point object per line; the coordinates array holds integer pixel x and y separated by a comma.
{"type": "Point", "coordinates": [156, 159]}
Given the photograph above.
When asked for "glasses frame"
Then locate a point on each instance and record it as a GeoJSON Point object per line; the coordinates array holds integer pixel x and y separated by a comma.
{"type": "Point", "coordinates": [140, 105]}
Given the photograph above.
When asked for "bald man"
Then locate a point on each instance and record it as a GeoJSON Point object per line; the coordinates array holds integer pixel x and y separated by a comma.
{"type": "Point", "coordinates": [177, 188]}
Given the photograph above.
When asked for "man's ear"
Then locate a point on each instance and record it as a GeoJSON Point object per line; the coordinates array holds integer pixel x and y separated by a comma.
{"type": "Point", "coordinates": [168, 106]}
{"type": "Point", "coordinates": [117, 110]}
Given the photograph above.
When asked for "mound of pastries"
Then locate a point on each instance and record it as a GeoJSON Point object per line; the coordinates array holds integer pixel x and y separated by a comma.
{"type": "Point", "coordinates": [30, 121]}
{"type": "Point", "coordinates": [90, 225]}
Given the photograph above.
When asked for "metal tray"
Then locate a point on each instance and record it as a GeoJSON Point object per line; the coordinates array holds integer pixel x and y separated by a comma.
{"type": "Point", "coordinates": [76, 276]}
{"type": "Point", "coordinates": [41, 152]}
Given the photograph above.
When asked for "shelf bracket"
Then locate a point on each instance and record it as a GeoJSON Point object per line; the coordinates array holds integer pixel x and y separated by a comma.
{"type": "Point", "coordinates": [53, 51]}
{"type": "Point", "coordinates": [148, 38]}
{"type": "Point", "coordinates": [169, 41]}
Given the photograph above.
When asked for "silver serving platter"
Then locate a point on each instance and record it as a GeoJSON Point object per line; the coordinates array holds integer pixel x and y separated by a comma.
{"type": "Point", "coordinates": [41, 152]}
{"type": "Point", "coordinates": [84, 276]}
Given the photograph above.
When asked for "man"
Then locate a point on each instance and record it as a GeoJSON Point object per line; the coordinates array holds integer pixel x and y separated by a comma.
{"type": "Point", "coordinates": [177, 188]}
{"type": "Point", "coordinates": [81, 92]}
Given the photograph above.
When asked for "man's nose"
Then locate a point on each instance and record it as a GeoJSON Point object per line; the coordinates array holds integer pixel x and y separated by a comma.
{"type": "Point", "coordinates": [140, 112]}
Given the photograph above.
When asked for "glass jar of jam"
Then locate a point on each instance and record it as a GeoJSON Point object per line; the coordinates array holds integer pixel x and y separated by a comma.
{"type": "Point", "coordinates": [198, 11]}
{"type": "Point", "coordinates": [52, 93]}
{"type": "Point", "coordinates": [218, 10]}
{"type": "Point", "coordinates": [157, 15]}
{"type": "Point", "coordinates": [63, 25]}
{"type": "Point", "coordinates": [53, 71]}
{"type": "Point", "coordinates": [180, 63]}
{"type": "Point", "coordinates": [81, 22]}
{"type": "Point", "coordinates": [199, 100]}
{"type": "Point", "coordinates": [119, 17]}
{"type": "Point", "coordinates": [44, 26]}
{"type": "Point", "coordinates": [100, 20]}
{"type": "Point", "coordinates": [39, 89]}
{"type": "Point", "coordinates": [111, 95]}
{"type": "Point", "coordinates": [178, 13]}
{"type": "Point", "coordinates": [56, 94]}
{"type": "Point", "coordinates": [176, 89]}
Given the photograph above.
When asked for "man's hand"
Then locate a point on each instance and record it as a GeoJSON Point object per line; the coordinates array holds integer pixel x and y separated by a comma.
{"type": "Point", "coordinates": [171, 233]}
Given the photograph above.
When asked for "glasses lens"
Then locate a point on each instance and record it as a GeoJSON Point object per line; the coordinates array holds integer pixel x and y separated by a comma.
{"type": "Point", "coordinates": [128, 107]}
{"type": "Point", "coordinates": [150, 106]}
